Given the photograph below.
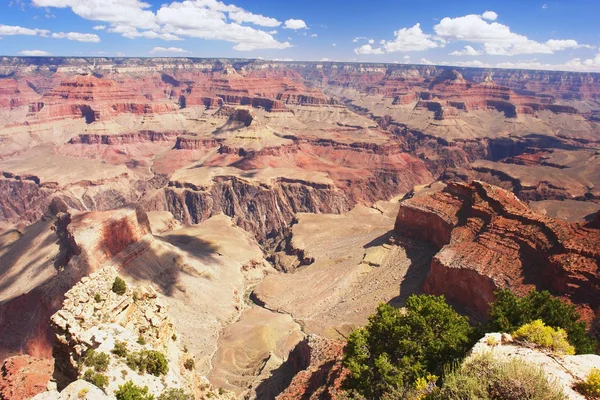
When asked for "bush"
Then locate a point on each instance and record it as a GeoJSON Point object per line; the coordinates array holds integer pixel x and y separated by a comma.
{"type": "Point", "coordinates": [150, 361]}
{"type": "Point", "coordinates": [485, 378]}
{"type": "Point", "coordinates": [141, 340]}
{"type": "Point", "coordinates": [129, 391]}
{"type": "Point", "coordinates": [96, 379]}
{"type": "Point", "coordinates": [189, 364]}
{"type": "Point", "coordinates": [397, 347]}
{"type": "Point", "coordinates": [97, 298]}
{"type": "Point", "coordinates": [174, 394]}
{"type": "Point", "coordinates": [545, 336]}
{"type": "Point", "coordinates": [119, 286]}
{"type": "Point", "coordinates": [591, 386]}
{"type": "Point", "coordinates": [99, 360]}
{"type": "Point", "coordinates": [120, 349]}
{"type": "Point", "coordinates": [508, 313]}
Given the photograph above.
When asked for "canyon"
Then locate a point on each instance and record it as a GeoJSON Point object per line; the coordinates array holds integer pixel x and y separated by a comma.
{"type": "Point", "coordinates": [269, 207]}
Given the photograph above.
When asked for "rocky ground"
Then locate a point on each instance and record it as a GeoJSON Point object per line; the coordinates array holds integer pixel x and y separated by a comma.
{"type": "Point", "coordinates": [271, 206]}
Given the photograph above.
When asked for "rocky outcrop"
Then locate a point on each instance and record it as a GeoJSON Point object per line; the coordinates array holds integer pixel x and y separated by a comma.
{"type": "Point", "coordinates": [22, 377]}
{"type": "Point", "coordinates": [94, 317]}
{"type": "Point", "coordinates": [490, 240]}
{"type": "Point", "coordinates": [564, 371]}
{"type": "Point", "coordinates": [323, 377]}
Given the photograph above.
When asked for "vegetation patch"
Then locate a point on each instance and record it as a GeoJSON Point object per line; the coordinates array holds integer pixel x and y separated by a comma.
{"type": "Point", "coordinates": [130, 391]}
{"type": "Point", "coordinates": [120, 349]}
{"type": "Point", "coordinates": [509, 312]}
{"type": "Point", "coordinates": [148, 361]}
{"type": "Point", "coordinates": [545, 336]}
{"type": "Point", "coordinates": [98, 360]}
{"type": "Point", "coordinates": [175, 394]}
{"type": "Point", "coordinates": [96, 379]}
{"type": "Point", "coordinates": [402, 347]}
{"type": "Point", "coordinates": [119, 286]}
{"type": "Point", "coordinates": [485, 378]}
{"type": "Point", "coordinates": [591, 386]}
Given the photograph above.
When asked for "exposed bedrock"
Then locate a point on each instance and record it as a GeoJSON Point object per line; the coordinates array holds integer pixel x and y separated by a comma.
{"type": "Point", "coordinates": [489, 239]}
{"type": "Point", "coordinates": [84, 243]}
{"type": "Point", "coordinates": [265, 211]}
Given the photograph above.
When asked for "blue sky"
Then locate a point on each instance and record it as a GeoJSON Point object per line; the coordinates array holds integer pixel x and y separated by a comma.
{"type": "Point", "coordinates": [527, 33]}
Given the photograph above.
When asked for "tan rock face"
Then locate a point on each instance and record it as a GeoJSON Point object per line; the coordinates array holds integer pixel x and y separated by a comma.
{"type": "Point", "coordinates": [489, 240]}
{"type": "Point", "coordinates": [565, 371]}
{"type": "Point", "coordinates": [94, 317]}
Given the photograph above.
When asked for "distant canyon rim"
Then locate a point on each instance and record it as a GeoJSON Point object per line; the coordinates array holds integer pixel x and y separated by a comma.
{"type": "Point", "coordinates": [274, 205]}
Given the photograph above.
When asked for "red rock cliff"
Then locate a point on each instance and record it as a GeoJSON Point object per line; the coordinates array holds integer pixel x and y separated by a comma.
{"type": "Point", "coordinates": [490, 240]}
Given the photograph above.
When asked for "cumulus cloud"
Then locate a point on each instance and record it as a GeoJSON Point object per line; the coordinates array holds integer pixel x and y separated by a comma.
{"type": "Point", "coordinates": [545, 6]}
{"type": "Point", "coordinates": [489, 15]}
{"type": "Point", "coordinates": [497, 39]}
{"type": "Point", "coordinates": [295, 24]}
{"type": "Point", "coordinates": [168, 50]}
{"type": "Point", "coordinates": [10, 30]}
{"type": "Point", "coordinates": [99, 27]}
{"type": "Point", "coordinates": [410, 39]}
{"type": "Point", "coordinates": [314, 35]}
{"type": "Point", "coordinates": [34, 53]}
{"type": "Point", "coordinates": [425, 61]}
{"type": "Point", "coordinates": [368, 49]}
{"type": "Point", "coordinates": [79, 37]}
{"type": "Point", "coordinates": [205, 19]}
{"type": "Point", "coordinates": [359, 38]}
{"type": "Point", "coordinates": [466, 51]}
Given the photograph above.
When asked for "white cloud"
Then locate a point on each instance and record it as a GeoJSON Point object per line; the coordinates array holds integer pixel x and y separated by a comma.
{"type": "Point", "coordinates": [489, 15]}
{"type": "Point", "coordinates": [242, 16]}
{"type": "Point", "coordinates": [282, 59]}
{"type": "Point", "coordinates": [131, 12]}
{"type": "Point", "coordinates": [368, 49]}
{"type": "Point", "coordinates": [99, 27]}
{"type": "Point", "coordinates": [466, 51]}
{"type": "Point", "coordinates": [425, 61]}
{"type": "Point", "coordinates": [410, 39]}
{"type": "Point", "coordinates": [545, 6]}
{"type": "Point", "coordinates": [295, 24]}
{"type": "Point", "coordinates": [497, 38]}
{"type": "Point", "coordinates": [575, 64]}
{"type": "Point", "coordinates": [34, 53]}
{"type": "Point", "coordinates": [79, 37]}
{"type": "Point", "coordinates": [205, 19]}
{"type": "Point", "coordinates": [333, 44]}
{"type": "Point", "coordinates": [325, 59]}
{"type": "Point", "coordinates": [9, 30]}
{"type": "Point", "coordinates": [168, 50]}
{"type": "Point", "coordinates": [358, 38]}
{"type": "Point", "coordinates": [406, 58]}
{"type": "Point", "coordinates": [314, 35]}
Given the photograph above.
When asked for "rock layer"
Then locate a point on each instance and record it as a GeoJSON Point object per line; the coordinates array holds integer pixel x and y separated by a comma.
{"type": "Point", "coordinates": [491, 240]}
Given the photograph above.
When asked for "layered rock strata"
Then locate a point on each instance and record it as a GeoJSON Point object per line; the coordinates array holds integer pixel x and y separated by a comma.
{"type": "Point", "coordinates": [490, 240]}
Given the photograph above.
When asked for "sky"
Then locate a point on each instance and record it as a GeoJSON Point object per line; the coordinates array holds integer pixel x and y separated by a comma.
{"type": "Point", "coordinates": [560, 35]}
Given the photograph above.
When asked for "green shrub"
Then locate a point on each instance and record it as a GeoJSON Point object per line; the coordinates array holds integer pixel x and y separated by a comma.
{"type": "Point", "coordinates": [97, 298]}
{"type": "Point", "coordinates": [545, 336]}
{"type": "Point", "coordinates": [129, 391]}
{"type": "Point", "coordinates": [174, 337]}
{"type": "Point", "coordinates": [397, 347]}
{"type": "Point", "coordinates": [119, 286]}
{"type": "Point", "coordinates": [509, 312]}
{"type": "Point", "coordinates": [150, 361]}
{"type": "Point", "coordinates": [189, 364]}
{"type": "Point", "coordinates": [174, 394]}
{"type": "Point", "coordinates": [96, 379]}
{"type": "Point", "coordinates": [591, 386]}
{"type": "Point", "coordinates": [485, 378]}
{"type": "Point", "coordinates": [98, 360]}
{"type": "Point", "coordinates": [141, 340]}
{"type": "Point", "coordinates": [120, 349]}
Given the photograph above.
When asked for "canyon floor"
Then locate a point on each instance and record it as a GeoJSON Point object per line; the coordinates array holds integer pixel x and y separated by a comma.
{"type": "Point", "coordinates": [273, 206]}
